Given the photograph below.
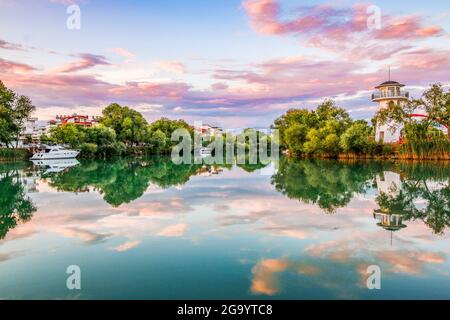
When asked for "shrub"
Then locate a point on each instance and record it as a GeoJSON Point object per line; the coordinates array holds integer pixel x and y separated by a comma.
{"type": "Point", "coordinates": [356, 139]}
{"type": "Point", "coordinates": [89, 149]}
{"type": "Point", "coordinates": [12, 154]}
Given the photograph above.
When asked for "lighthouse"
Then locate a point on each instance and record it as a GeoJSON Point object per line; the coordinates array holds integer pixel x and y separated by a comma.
{"type": "Point", "coordinates": [389, 92]}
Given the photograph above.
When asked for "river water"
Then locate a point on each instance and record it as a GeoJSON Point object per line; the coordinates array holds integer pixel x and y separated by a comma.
{"type": "Point", "coordinates": [297, 229]}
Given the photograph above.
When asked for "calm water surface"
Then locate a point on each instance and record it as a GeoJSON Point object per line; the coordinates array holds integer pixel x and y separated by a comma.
{"type": "Point", "coordinates": [298, 229]}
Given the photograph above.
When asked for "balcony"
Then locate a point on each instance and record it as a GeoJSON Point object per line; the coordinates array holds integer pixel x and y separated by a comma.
{"type": "Point", "coordinates": [388, 95]}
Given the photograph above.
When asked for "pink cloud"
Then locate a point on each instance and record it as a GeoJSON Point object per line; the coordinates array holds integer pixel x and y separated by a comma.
{"type": "Point", "coordinates": [86, 61]}
{"type": "Point", "coordinates": [331, 22]}
{"type": "Point", "coordinates": [146, 90]}
{"type": "Point", "coordinates": [123, 52]}
{"type": "Point", "coordinates": [127, 246]}
{"type": "Point", "coordinates": [265, 276]}
{"type": "Point", "coordinates": [171, 66]}
{"type": "Point", "coordinates": [176, 230]}
{"type": "Point", "coordinates": [14, 67]}
{"type": "Point", "coordinates": [407, 27]}
{"type": "Point", "coordinates": [263, 16]}
{"type": "Point", "coordinates": [342, 31]}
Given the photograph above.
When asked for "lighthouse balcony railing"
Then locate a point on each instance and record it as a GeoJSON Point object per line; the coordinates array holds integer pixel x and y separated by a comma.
{"type": "Point", "coordinates": [381, 95]}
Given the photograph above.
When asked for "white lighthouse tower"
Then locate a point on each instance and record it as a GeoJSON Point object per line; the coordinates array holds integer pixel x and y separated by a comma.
{"type": "Point", "coordinates": [389, 92]}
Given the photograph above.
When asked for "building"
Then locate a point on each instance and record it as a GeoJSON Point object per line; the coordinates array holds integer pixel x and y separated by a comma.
{"type": "Point", "coordinates": [209, 130]}
{"type": "Point", "coordinates": [80, 120]}
{"type": "Point", "coordinates": [389, 92]}
{"type": "Point", "coordinates": [31, 131]}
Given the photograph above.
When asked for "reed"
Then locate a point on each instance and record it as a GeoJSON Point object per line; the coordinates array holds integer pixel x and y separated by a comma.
{"type": "Point", "coordinates": [7, 154]}
{"type": "Point", "coordinates": [432, 148]}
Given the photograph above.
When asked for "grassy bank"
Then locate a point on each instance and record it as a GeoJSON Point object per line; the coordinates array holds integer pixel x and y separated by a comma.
{"type": "Point", "coordinates": [438, 149]}
{"type": "Point", "coordinates": [410, 150]}
{"type": "Point", "coordinates": [10, 154]}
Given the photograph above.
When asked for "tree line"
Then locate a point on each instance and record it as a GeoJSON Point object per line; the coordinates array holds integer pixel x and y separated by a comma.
{"type": "Point", "coordinates": [121, 130]}
{"type": "Point", "coordinates": [328, 131]}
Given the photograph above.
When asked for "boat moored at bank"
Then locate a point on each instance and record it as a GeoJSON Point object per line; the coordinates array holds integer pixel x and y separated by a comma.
{"type": "Point", "coordinates": [55, 152]}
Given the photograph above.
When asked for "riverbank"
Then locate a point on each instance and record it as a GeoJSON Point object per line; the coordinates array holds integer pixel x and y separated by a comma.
{"type": "Point", "coordinates": [386, 152]}
{"type": "Point", "coordinates": [11, 154]}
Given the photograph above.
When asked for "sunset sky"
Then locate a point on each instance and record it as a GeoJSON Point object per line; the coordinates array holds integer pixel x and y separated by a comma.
{"type": "Point", "coordinates": [231, 63]}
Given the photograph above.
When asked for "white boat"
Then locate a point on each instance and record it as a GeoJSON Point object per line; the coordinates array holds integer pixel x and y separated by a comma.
{"type": "Point", "coordinates": [56, 165]}
{"type": "Point", "coordinates": [55, 152]}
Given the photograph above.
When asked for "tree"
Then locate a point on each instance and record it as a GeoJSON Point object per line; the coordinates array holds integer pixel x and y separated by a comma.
{"type": "Point", "coordinates": [23, 108]}
{"type": "Point", "coordinates": [166, 127]}
{"type": "Point", "coordinates": [158, 141]}
{"type": "Point", "coordinates": [71, 134]}
{"type": "Point", "coordinates": [303, 117]}
{"type": "Point", "coordinates": [14, 111]}
{"type": "Point", "coordinates": [100, 135]}
{"type": "Point", "coordinates": [303, 131]}
{"type": "Point", "coordinates": [436, 102]}
{"type": "Point", "coordinates": [324, 140]}
{"type": "Point", "coordinates": [129, 125]}
{"type": "Point", "coordinates": [46, 139]}
{"type": "Point", "coordinates": [357, 138]}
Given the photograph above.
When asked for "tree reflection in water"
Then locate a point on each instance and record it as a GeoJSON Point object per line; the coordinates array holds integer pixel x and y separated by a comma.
{"type": "Point", "coordinates": [122, 180]}
{"type": "Point", "coordinates": [423, 192]}
{"type": "Point", "coordinates": [15, 206]}
{"type": "Point", "coordinates": [327, 183]}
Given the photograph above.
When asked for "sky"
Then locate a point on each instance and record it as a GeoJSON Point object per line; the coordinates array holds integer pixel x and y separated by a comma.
{"type": "Point", "coordinates": [232, 63]}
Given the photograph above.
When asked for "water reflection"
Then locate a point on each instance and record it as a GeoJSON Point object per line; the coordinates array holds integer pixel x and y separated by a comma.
{"type": "Point", "coordinates": [419, 191]}
{"type": "Point", "coordinates": [308, 231]}
{"type": "Point", "coordinates": [15, 206]}
{"type": "Point", "coordinates": [406, 191]}
{"type": "Point", "coordinates": [329, 184]}
{"type": "Point", "coordinates": [122, 180]}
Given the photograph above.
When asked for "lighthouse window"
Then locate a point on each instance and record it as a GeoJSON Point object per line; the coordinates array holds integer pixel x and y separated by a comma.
{"type": "Point", "coordinates": [391, 91]}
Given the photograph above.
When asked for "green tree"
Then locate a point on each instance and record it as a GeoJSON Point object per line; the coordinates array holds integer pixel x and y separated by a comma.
{"type": "Point", "coordinates": [357, 139]}
{"type": "Point", "coordinates": [14, 111]}
{"type": "Point", "coordinates": [159, 141]}
{"type": "Point", "coordinates": [128, 124]}
{"type": "Point", "coordinates": [436, 102]}
{"type": "Point", "coordinates": [70, 134]}
{"type": "Point", "coordinates": [303, 131]}
{"type": "Point", "coordinates": [46, 139]}
{"type": "Point", "coordinates": [306, 118]}
{"type": "Point", "coordinates": [167, 127]}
